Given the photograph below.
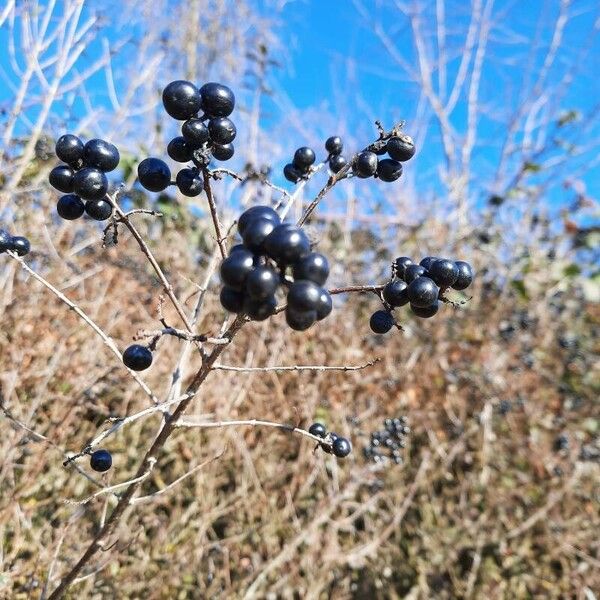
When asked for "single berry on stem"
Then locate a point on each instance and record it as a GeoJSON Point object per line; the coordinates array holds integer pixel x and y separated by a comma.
{"type": "Point", "coordinates": [304, 158]}
{"type": "Point", "coordinates": [231, 300]}
{"type": "Point", "coordinates": [19, 244]}
{"type": "Point", "coordinates": [101, 461]}
{"type": "Point", "coordinates": [325, 305]}
{"type": "Point", "coordinates": [428, 261]}
{"type": "Point", "coordinates": [189, 182]}
{"type": "Point", "coordinates": [400, 265]}
{"type": "Point", "coordinates": [337, 163]}
{"type": "Point", "coordinates": [334, 145]}
{"type": "Point", "coordinates": [261, 283]}
{"type": "Point", "coordinates": [412, 272]}
{"type": "Point", "coordinates": [259, 310]}
{"type": "Point", "coordinates": [401, 148]}
{"type": "Point", "coordinates": [291, 173]}
{"type": "Point", "coordinates": [154, 174]}
{"type": "Point", "coordinates": [465, 275]}
{"type": "Point", "coordinates": [222, 152]}
{"type": "Point", "coordinates": [70, 207]}
{"type": "Point", "coordinates": [365, 164]}
{"type": "Point", "coordinates": [256, 232]}
{"type": "Point", "coordinates": [287, 244]}
{"type": "Point", "coordinates": [257, 212]}
{"type": "Point", "coordinates": [300, 320]}
{"type": "Point", "coordinates": [341, 447]}
{"type": "Point", "coordinates": [381, 321]}
{"type": "Point", "coordinates": [389, 170]}
{"type": "Point", "coordinates": [179, 150]}
{"type": "Point", "coordinates": [318, 429]}
{"type": "Point", "coordinates": [236, 268]}
{"type": "Point", "coordinates": [304, 296]}
{"type": "Point", "coordinates": [137, 357]}
{"type": "Point", "coordinates": [222, 130]}
{"type": "Point", "coordinates": [427, 312]}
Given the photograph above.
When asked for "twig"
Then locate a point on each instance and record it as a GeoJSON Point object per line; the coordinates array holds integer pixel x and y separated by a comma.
{"type": "Point", "coordinates": [252, 423]}
{"type": "Point", "coordinates": [376, 289]}
{"type": "Point", "coordinates": [171, 485]}
{"type": "Point", "coordinates": [74, 307]}
{"type": "Point", "coordinates": [117, 486]}
{"type": "Point", "coordinates": [182, 335]}
{"type": "Point", "coordinates": [297, 367]}
{"type": "Point", "coordinates": [213, 213]}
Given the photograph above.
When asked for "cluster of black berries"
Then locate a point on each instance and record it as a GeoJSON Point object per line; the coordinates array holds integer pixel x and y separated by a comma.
{"type": "Point", "coordinates": [387, 443]}
{"type": "Point", "coordinates": [420, 285]}
{"type": "Point", "coordinates": [301, 164]}
{"type": "Point", "coordinates": [338, 446]}
{"type": "Point", "coordinates": [16, 243]}
{"type": "Point", "coordinates": [83, 177]}
{"type": "Point", "coordinates": [399, 148]}
{"type": "Point", "coordinates": [207, 131]}
{"type": "Point", "coordinates": [273, 255]}
{"type": "Point", "coordinates": [365, 164]}
{"type": "Point", "coordinates": [101, 460]}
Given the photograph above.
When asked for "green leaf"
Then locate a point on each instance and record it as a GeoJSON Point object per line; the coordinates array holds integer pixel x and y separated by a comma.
{"type": "Point", "coordinates": [519, 286]}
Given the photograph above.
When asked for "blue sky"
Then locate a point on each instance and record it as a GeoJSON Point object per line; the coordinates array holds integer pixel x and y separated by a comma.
{"type": "Point", "coordinates": [336, 68]}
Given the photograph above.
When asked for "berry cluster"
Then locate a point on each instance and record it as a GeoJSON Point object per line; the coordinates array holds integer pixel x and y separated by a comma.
{"type": "Point", "coordinates": [400, 148]}
{"type": "Point", "coordinates": [387, 443]}
{"type": "Point", "coordinates": [338, 446]}
{"type": "Point", "coordinates": [207, 131]}
{"type": "Point", "coordinates": [273, 255]}
{"type": "Point", "coordinates": [83, 177]}
{"type": "Point", "coordinates": [16, 243]}
{"type": "Point", "coordinates": [420, 285]}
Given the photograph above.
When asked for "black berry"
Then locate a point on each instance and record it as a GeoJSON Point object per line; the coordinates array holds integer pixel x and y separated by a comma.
{"type": "Point", "coordinates": [99, 210]}
{"type": "Point", "coordinates": [259, 310]}
{"type": "Point", "coordinates": [365, 164]}
{"type": "Point", "coordinates": [428, 261]}
{"type": "Point", "coordinates": [69, 148]}
{"type": "Point", "coordinates": [101, 154]}
{"type": "Point", "coordinates": [217, 99]}
{"type": "Point", "coordinates": [70, 207]}
{"type": "Point", "coordinates": [195, 133]}
{"type": "Point", "coordinates": [90, 183]}
{"type": "Point", "coordinates": [137, 358]}
{"type": "Point", "coordinates": [313, 267]}
{"type": "Point", "coordinates": [287, 244]}
{"type": "Point", "coordinates": [189, 182]}
{"type": "Point", "coordinates": [19, 244]}
{"type": "Point", "coordinates": [444, 272]}
{"type": "Point", "coordinates": [318, 429]}
{"type": "Point", "coordinates": [154, 174]}
{"type": "Point", "coordinates": [465, 275]}
{"type": "Point", "coordinates": [5, 238]}
{"type": "Point", "coordinates": [291, 173]}
{"type": "Point", "coordinates": [300, 320]}
{"type": "Point", "coordinates": [257, 212]}
{"type": "Point", "coordinates": [236, 267]}
{"type": "Point", "coordinates": [231, 300]}
{"type": "Point", "coordinates": [381, 321]}
{"type": "Point", "coordinates": [61, 178]}
{"type": "Point", "coordinates": [412, 272]}
{"type": "Point", "coordinates": [422, 292]}
{"type": "Point", "coordinates": [325, 305]}
{"type": "Point", "coordinates": [400, 265]}
{"type": "Point", "coordinates": [334, 145]}
{"type": "Point", "coordinates": [389, 170]}
{"type": "Point", "coordinates": [261, 283]}
{"type": "Point", "coordinates": [427, 312]}
{"type": "Point", "coordinates": [181, 100]}
{"type": "Point", "coordinates": [304, 296]}
{"type": "Point", "coordinates": [256, 232]}
{"type": "Point", "coordinates": [401, 148]}
{"type": "Point", "coordinates": [303, 158]}
{"type": "Point", "coordinates": [101, 460]}
{"type": "Point", "coordinates": [222, 130]}
{"type": "Point", "coordinates": [341, 447]}
{"type": "Point", "coordinates": [179, 150]}
{"type": "Point", "coordinates": [222, 151]}
{"type": "Point", "coordinates": [337, 163]}
{"type": "Point", "coordinates": [394, 293]}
